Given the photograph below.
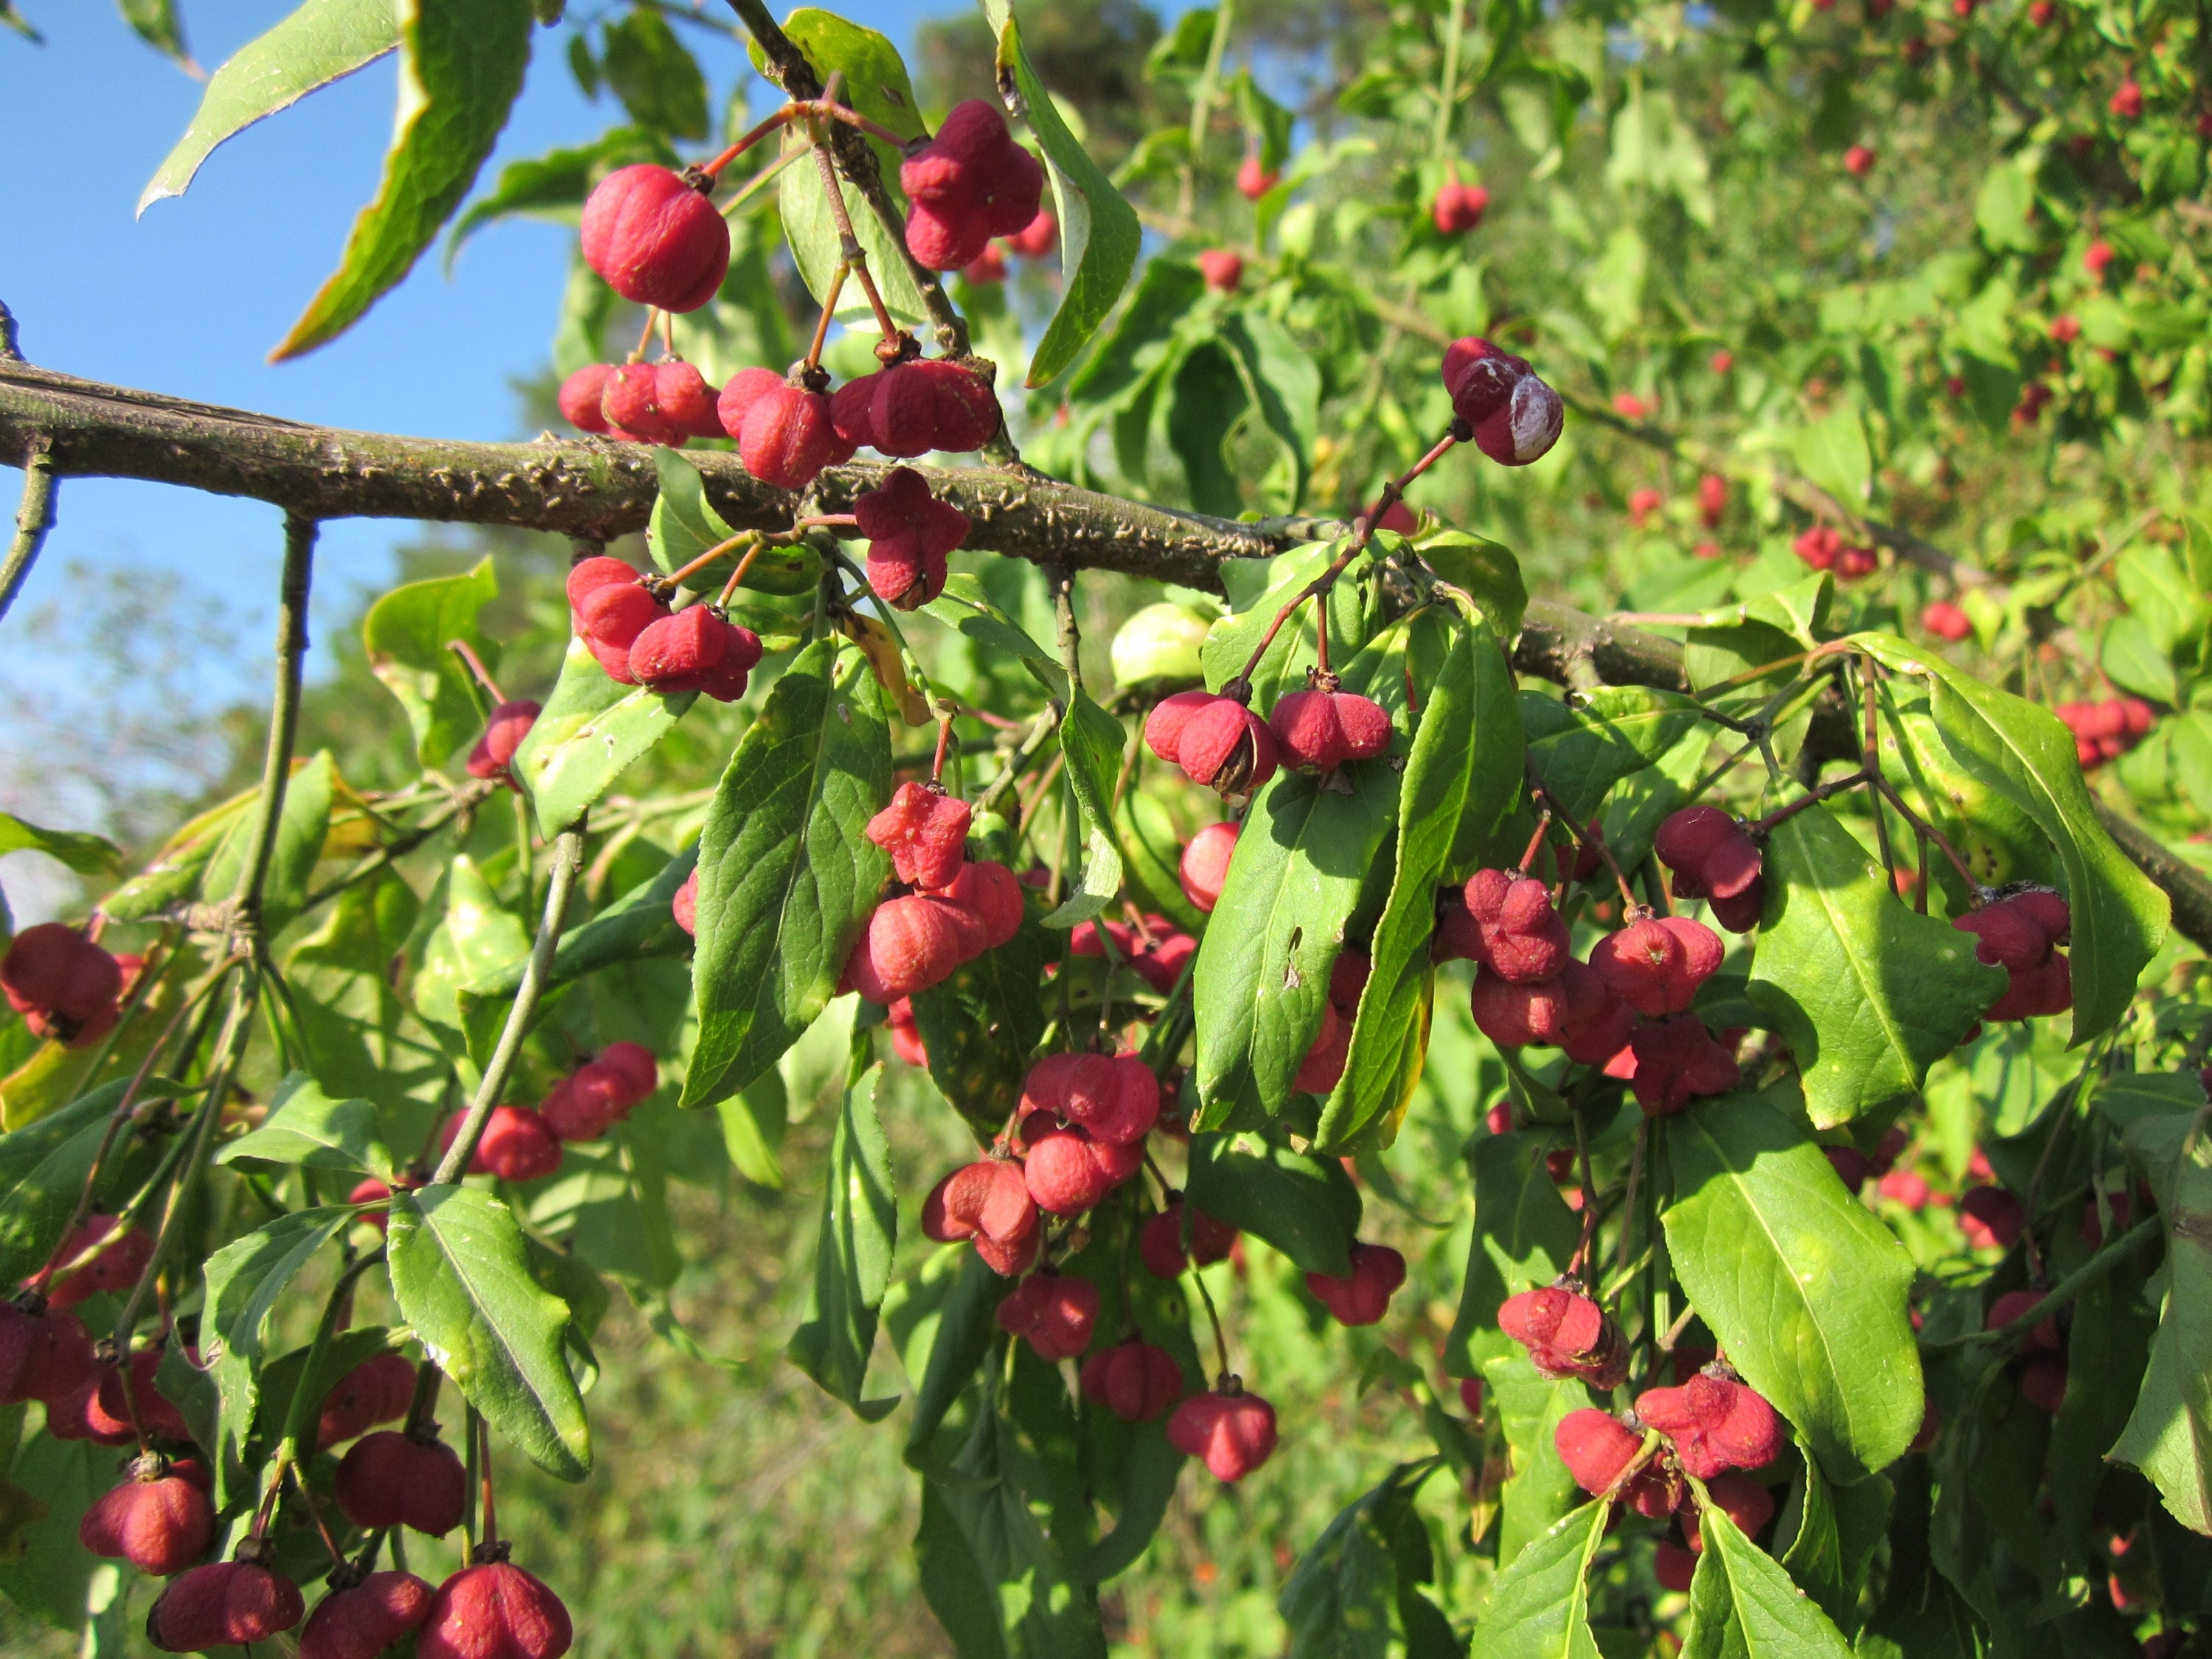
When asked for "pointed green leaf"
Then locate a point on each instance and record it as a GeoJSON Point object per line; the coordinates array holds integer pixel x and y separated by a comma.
{"type": "Point", "coordinates": [460, 1270]}
{"type": "Point", "coordinates": [1867, 993]}
{"type": "Point", "coordinates": [686, 525]}
{"type": "Point", "coordinates": [1305, 1207]}
{"type": "Point", "coordinates": [657, 80]}
{"type": "Point", "coordinates": [2169, 1436]}
{"type": "Point", "coordinates": [1743, 1603]}
{"type": "Point", "coordinates": [1539, 1606]}
{"type": "Point", "coordinates": [86, 854]}
{"type": "Point", "coordinates": [43, 1166]}
{"type": "Point", "coordinates": [1832, 452]}
{"type": "Point", "coordinates": [1092, 741]}
{"type": "Point", "coordinates": [852, 1255]}
{"type": "Point", "coordinates": [1804, 1288]}
{"type": "Point", "coordinates": [478, 939]}
{"type": "Point", "coordinates": [1581, 747]}
{"type": "Point", "coordinates": [1340, 1602]}
{"type": "Point", "coordinates": [1524, 1236]}
{"type": "Point", "coordinates": [944, 1351]}
{"type": "Point", "coordinates": [304, 1126]}
{"type": "Point", "coordinates": [982, 1024]}
{"type": "Point", "coordinates": [303, 824]}
{"type": "Point", "coordinates": [591, 728]}
{"type": "Point", "coordinates": [406, 633]}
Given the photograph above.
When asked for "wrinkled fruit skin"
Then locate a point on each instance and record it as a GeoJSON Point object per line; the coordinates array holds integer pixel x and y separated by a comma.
{"type": "Point", "coordinates": [109, 1412]}
{"type": "Point", "coordinates": [1053, 1315]}
{"type": "Point", "coordinates": [360, 1623]}
{"type": "Point", "coordinates": [969, 183]}
{"type": "Point", "coordinates": [509, 725]}
{"type": "Point", "coordinates": [1160, 1243]}
{"type": "Point", "coordinates": [1677, 1062]}
{"type": "Point", "coordinates": [1656, 965]}
{"type": "Point", "coordinates": [909, 533]}
{"type": "Point", "coordinates": [494, 1611]}
{"type": "Point", "coordinates": [1069, 1170]}
{"type": "Point", "coordinates": [1991, 1218]}
{"type": "Point", "coordinates": [517, 1144]}
{"type": "Point", "coordinates": [1319, 730]}
{"type": "Point", "coordinates": [1134, 1380]}
{"type": "Point", "coordinates": [1115, 1098]}
{"type": "Point", "coordinates": [910, 945]}
{"type": "Point", "coordinates": [1205, 865]}
{"type": "Point", "coordinates": [1516, 417]}
{"type": "Point", "coordinates": [1510, 927]}
{"type": "Point", "coordinates": [608, 610]}
{"type": "Point", "coordinates": [2021, 934]}
{"type": "Point", "coordinates": [1711, 853]}
{"type": "Point", "coordinates": [906, 1036]}
{"type": "Point", "coordinates": [44, 1357]}
{"type": "Point", "coordinates": [1156, 956]}
{"type": "Point", "coordinates": [987, 1203]}
{"type": "Point", "coordinates": [659, 403]}
{"type": "Point", "coordinates": [925, 831]}
{"type": "Point", "coordinates": [1595, 1446]}
{"type": "Point", "coordinates": [388, 1479]}
{"type": "Point", "coordinates": [654, 239]}
{"type": "Point", "coordinates": [222, 1604]}
{"type": "Point", "coordinates": [1742, 1500]}
{"type": "Point", "coordinates": [928, 403]}
{"type": "Point", "coordinates": [1216, 740]}
{"type": "Point", "coordinates": [64, 984]}
{"type": "Point", "coordinates": [160, 1525]}
{"type": "Point", "coordinates": [378, 1390]}
{"type": "Point", "coordinates": [788, 436]}
{"type": "Point", "coordinates": [1232, 1433]}
{"type": "Point", "coordinates": [991, 893]}
{"type": "Point", "coordinates": [581, 398]}
{"type": "Point", "coordinates": [1364, 1296]}
{"type": "Point", "coordinates": [1715, 1424]}
{"type": "Point", "coordinates": [1567, 1335]}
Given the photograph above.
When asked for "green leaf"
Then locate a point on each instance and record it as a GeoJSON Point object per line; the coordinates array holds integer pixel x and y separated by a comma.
{"type": "Point", "coordinates": [754, 1121]}
{"type": "Point", "coordinates": [2020, 750]}
{"type": "Point", "coordinates": [1433, 797]}
{"type": "Point", "coordinates": [479, 937]}
{"type": "Point", "coordinates": [593, 728]}
{"type": "Point", "coordinates": [876, 81]}
{"type": "Point", "coordinates": [1499, 775]}
{"type": "Point", "coordinates": [87, 854]}
{"type": "Point", "coordinates": [1284, 385]}
{"type": "Point", "coordinates": [461, 66]}
{"type": "Point", "coordinates": [943, 1357]}
{"type": "Point", "coordinates": [1867, 994]}
{"type": "Point", "coordinates": [964, 607]}
{"type": "Point", "coordinates": [982, 1024]}
{"type": "Point", "coordinates": [554, 186]}
{"type": "Point", "coordinates": [657, 80]}
{"type": "Point", "coordinates": [1259, 594]}
{"type": "Point", "coordinates": [1305, 1207]}
{"type": "Point", "coordinates": [1832, 452]}
{"type": "Point", "coordinates": [1837, 1530]}
{"type": "Point", "coordinates": [43, 1166]}
{"type": "Point", "coordinates": [1803, 1287]}
{"type": "Point", "coordinates": [2169, 1436]}
{"type": "Point", "coordinates": [1487, 572]}
{"type": "Point", "coordinates": [245, 1279]}
{"type": "Point", "coordinates": [1581, 747]}
{"type": "Point", "coordinates": [1743, 1603]}
{"type": "Point", "coordinates": [44, 1568]}
{"type": "Point", "coordinates": [1524, 1236]}
{"type": "Point", "coordinates": [1261, 975]}
{"type": "Point", "coordinates": [305, 1126]}
{"type": "Point", "coordinates": [852, 1255]}
{"type": "Point", "coordinates": [319, 43]}
{"type": "Point", "coordinates": [461, 1273]}
{"type": "Point", "coordinates": [302, 826]}
{"type": "Point", "coordinates": [406, 632]}
{"type": "Point", "coordinates": [156, 23]}
{"type": "Point", "coordinates": [686, 525]}
{"type": "Point", "coordinates": [1540, 1606]}
{"type": "Point", "coordinates": [787, 876]}
{"type": "Point", "coordinates": [1341, 1601]}
{"type": "Point", "coordinates": [1099, 235]}
{"type": "Point", "coordinates": [1092, 741]}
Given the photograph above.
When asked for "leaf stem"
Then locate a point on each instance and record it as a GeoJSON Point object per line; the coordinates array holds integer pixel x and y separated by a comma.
{"type": "Point", "coordinates": [33, 519]}
{"type": "Point", "coordinates": [283, 719]}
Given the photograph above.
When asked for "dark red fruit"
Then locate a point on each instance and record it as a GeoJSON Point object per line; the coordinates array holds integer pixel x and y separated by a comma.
{"type": "Point", "coordinates": [223, 1604]}
{"type": "Point", "coordinates": [1567, 1335]}
{"type": "Point", "coordinates": [1362, 1297]}
{"type": "Point", "coordinates": [636, 1071]}
{"type": "Point", "coordinates": [1573, 1009]}
{"type": "Point", "coordinates": [103, 1254]}
{"type": "Point", "coordinates": [1510, 928]}
{"type": "Point", "coordinates": [1053, 1315]}
{"type": "Point", "coordinates": [787, 437]}
{"type": "Point", "coordinates": [390, 1478]}
{"type": "Point", "coordinates": [1318, 730]}
{"type": "Point", "coordinates": [694, 650]}
{"type": "Point", "coordinates": [1216, 740]}
{"type": "Point", "coordinates": [160, 1520]}
{"type": "Point", "coordinates": [2043, 1334]}
{"type": "Point", "coordinates": [1742, 1500]}
{"type": "Point", "coordinates": [906, 1044]}
{"type": "Point", "coordinates": [1134, 1380]}
{"type": "Point", "coordinates": [1711, 856]}
{"type": "Point", "coordinates": [655, 239]}
{"type": "Point", "coordinates": [64, 984]}
{"type": "Point", "coordinates": [608, 610]}
{"type": "Point", "coordinates": [1673, 1566]}
{"type": "Point", "coordinates": [1156, 955]}
{"type": "Point", "coordinates": [969, 183]}
{"type": "Point", "coordinates": [1232, 1431]}
{"type": "Point", "coordinates": [44, 1356]}
{"type": "Point", "coordinates": [1222, 268]}
{"type": "Point", "coordinates": [378, 1390]}
{"type": "Point", "coordinates": [685, 907]}
{"type": "Point", "coordinates": [1115, 1098]}
{"type": "Point", "coordinates": [1458, 208]}
{"type": "Point", "coordinates": [988, 1203]}
{"type": "Point", "coordinates": [909, 533]}
{"type": "Point", "coordinates": [2043, 1382]}
{"type": "Point", "coordinates": [1323, 1068]}
{"type": "Point", "coordinates": [633, 406]}
{"type": "Point", "coordinates": [926, 832]}
{"type": "Point", "coordinates": [581, 396]}
{"type": "Point", "coordinates": [1069, 1169]}
{"type": "Point", "coordinates": [494, 1611]}
{"type": "Point", "coordinates": [1516, 417]}
{"type": "Point", "coordinates": [1160, 1243]}
{"type": "Point", "coordinates": [988, 266]}
{"type": "Point", "coordinates": [1254, 180]}
{"type": "Point", "coordinates": [361, 1621]}
{"type": "Point", "coordinates": [992, 894]}
{"type": "Point", "coordinates": [910, 945]}
{"type": "Point", "coordinates": [517, 1143]}
{"type": "Point", "coordinates": [1677, 1062]}
{"type": "Point", "coordinates": [1715, 1424]}
{"type": "Point", "coordinates": [1851, 1165]}
{"type": "Point", "coordinates": [852, 407]}
{"type": "Point", "coordinates": [509, 725]}
{"type": "Point", "coordinates": [1991, 1218]}
{"type": "Point", "coordinates": [110, 1410]}
{"type": "Point", "coordinates": [1656, 965]}
{"type": "Point", "coordinates": [1035, 240]}
{"type": "Point", "coordinates": [928, 403]}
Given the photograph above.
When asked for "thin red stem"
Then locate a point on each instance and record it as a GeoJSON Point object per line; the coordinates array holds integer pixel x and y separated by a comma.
{"type": "Point", "coordinates": [829, 311]}
{"type": "Point", "coordinates": [944, 737]}
{"type": "Point", "coordinates": [466, 653]}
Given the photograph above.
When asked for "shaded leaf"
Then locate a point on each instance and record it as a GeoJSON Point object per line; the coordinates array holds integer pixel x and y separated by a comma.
{"type": "Point", "coordinates": [2169, 1435]}
{"type": "Point", "coordinates": [591, 730]}
{"type": "Point", "coordinates": [657, 80]}
{"type": "Point", "coordinates": [1092, 741]}
{"type": "Point", "coordinates": [852, 1255]}
{"type": "Point", "coordinates": [1524, 1236]}
{"type": "Point", "coordinates": [406, 632]}
{"type": "Point", "coordinates": [1305, 1207]}
{"type": "Point", "coordinates": [303, 824]}
{"type": "Point", "coordinates": [1579, 749]}
{"type": "Point", "coordinates": [305, 1126]}
{"type": "Point", "coordinates": [982, 1024]}
{"type": "Point", "coordinates": [686, 525]}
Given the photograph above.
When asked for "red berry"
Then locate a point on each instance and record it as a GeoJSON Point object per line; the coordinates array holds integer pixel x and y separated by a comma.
{"type": "Point", "coordinates": [1233, 1432]}
{"type": "Point", "coordinates": [1656, 965]}
{"type": "Point", "coordinates": [929, 404]}
{"type": "Point", "coordinates": [1215, 739]}
{"type": "Point", "coordinates": [1711, 853]}
{"type": "Point", "coordinates": [1596, 1447]}
{"type": "Point", "coordinates": [906, 1039]}
{"type": "Point", "coordinates": [2043, 1382]}
{"type": "Point", "coordinates": [911, 944]}
{"type": "Point", "coordinates": [610, 612]}
{"type": "Point", "coordinates": [103, 1254]}
{"type": "Point", "coordinates": [1712, 499]}
{"type": "Point", "coordinates": [2043, 1334]}
{"type": "Point", "coordinates": [1715, 1424]}
{"type": "Point", "coordinates": [509, 725]}
{"type": "Point", "coordinates": [1318, 730]}
{"type": "Point", "coordinates": [659, 404]}
{"type": "Point", "coordinates": [925, 831]}
{"type": "Point", "coordinates": [1518, 936]}
{"type": "Point", "coordinates": [969, 183]}
{"type": "Point", "coordinates": [110, 1410]}
{"type": "Point", "coordinates": [378, 1390]}
{"type": "Point", "coordinates": [988, 1202]}
{"type": "Point", "coordinates": [694, 650]}
{"type": "Point", "coordinates": [2015, 934]}
{"type": "Point", "coordinates": [65, 986]}
{"type": "Point", "coordinates": [1945, 620]}
{"type": "Point", "coordinates": [1114, 1096]}
{"type": "Point", "coordinates": [1134, 1380]}
{"type": "Point", "coordinates": [1254, 180]}
{"type": "Point", "coordinates": [160, 1520]}
{"type": "Point", "coordinates": [1567, 1335]}
{"type": "Point", "coordinates": [685, 907]}
{"type": "Point", "coordinates": [1991, 1218]}
{"type": "Point", "coordinates": [1516, 417]}
{"type": "Point", "coordinates": [1673, 1566]}
{"type": "Point", "coordinates": [494, 1611]}
{"type": "Point", "coordinates": [788, 437]}
{"type": "Point", "coordinates": [1749, 1505]}
{"type": "Point", "coordinates": [390, 1478]}
{"type": "Point", "coordinates": [1858, 161]}
{"type": "Point", "coordinates": [1677, 1062]}
{"type": "Point", "coordinates": [46, 1356]}
{"type": "Point", "coordinates": [1851, 1165]}
{"type": "Point", "coordinates": [1222, 268]}
{"type": "Point", "coordinates": [1069, 1170]}
{"type": "Point", "coordinates": [2095, 257]}
{"type": "Point", "coordinates": [992, 894]}
{"type": "Point", "coordinates": [988, 266]}
{"type": "Point", "coordinates": [1362, 1297]}
{"type": "Point", "coordinates": [1722, 360]}
{"type": "Point", "coordinates": [517, 1143]}
{"type": "Point", "coordinates": [1458, 208]}
{"type": "Point", "coordinates": [1323, 1068]}
{"type": "Point", "coordinates": [1160, 1244]}
{"type": "Point", "coordinates": [1555, 1010]}
{"type": "Point", "coordinates": [579, 1109]}
{"type": "Point", "coordinates": [363, 1620]}
{"type": "Point", "coordinates": [740, 392]}
{"type": "Point", "coordinates": [1205, 865]}
{"type": "Point", "coordinates": [1643, 502]}
{"type": "Point", "coordinates": [634, 1065]}
{"type": "Point", "coordinates": [909, 532]}
{"type": "Point", "coordinates": [655, 239]}
{"type": "Point", "coordinates": [1035, 239]}
{"type": "Point", "coordinates": [223, 1604]}
{"type": "Point", "coordinates": [581, 396]}
{"type": "Point", "coordinates": [1470, 1395]}
{"type": "Point", "coordinates": [1053, 1315]}
{"type": "Point", "coordinates": [2127, 100]}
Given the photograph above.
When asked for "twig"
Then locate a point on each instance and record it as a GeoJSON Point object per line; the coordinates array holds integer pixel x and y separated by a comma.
{"type": "Point", "coordinates": [33, 520]}
{"type": "Point", "coordinates": [284, 715]}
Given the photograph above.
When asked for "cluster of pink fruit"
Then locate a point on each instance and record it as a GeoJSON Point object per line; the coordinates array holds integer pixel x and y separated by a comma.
{"type": "Point", "coordinates": [954, 909]}
{"type": "Point", "coordinates": [1218, 741]}
{"type": "Point", "coordinates": [638, 640]}
{"type": "Point", "coordinates": [2105, 730]}
{"type": "Point", "coordinates": [1823, 548]}
{"type": "Point", "coordinates": [67, 989]}
{"type": "Point", "coordinates": [523, 1142]}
